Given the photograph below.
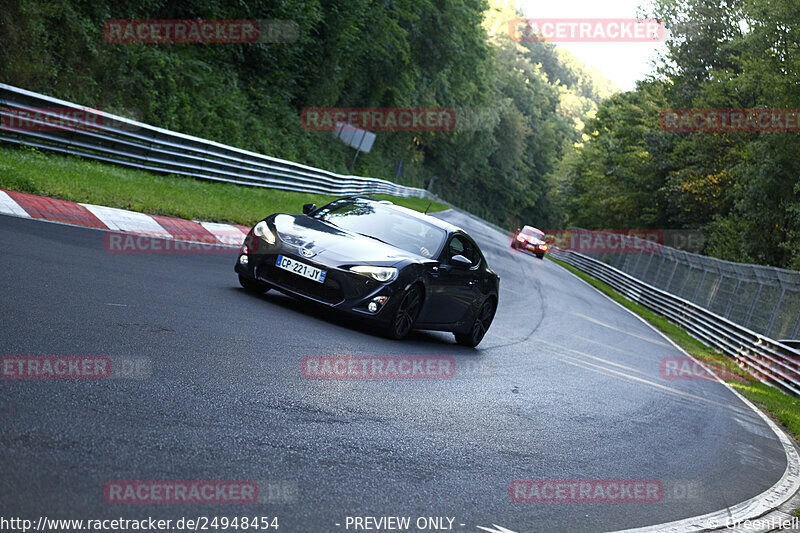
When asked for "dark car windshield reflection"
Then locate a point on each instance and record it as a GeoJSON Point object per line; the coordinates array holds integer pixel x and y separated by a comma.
{"type": "Point", "coordinates": [391, 226]}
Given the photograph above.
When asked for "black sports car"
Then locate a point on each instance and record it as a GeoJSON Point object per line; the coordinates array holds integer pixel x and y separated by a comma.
{"type": "Point", "coordinates": [396, 267]}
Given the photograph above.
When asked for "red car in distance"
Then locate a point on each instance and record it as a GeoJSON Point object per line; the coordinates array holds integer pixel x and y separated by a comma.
{"type": "Point", "coordinates": [530, 239]}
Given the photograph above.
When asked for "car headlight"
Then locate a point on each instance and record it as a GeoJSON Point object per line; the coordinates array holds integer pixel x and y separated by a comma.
{"type": "Point", "coordinates": [520, 238]}
{"type": "Point", "coordinates": [382, 274]}
{"type": "Point", "coordinates": [262, 231]}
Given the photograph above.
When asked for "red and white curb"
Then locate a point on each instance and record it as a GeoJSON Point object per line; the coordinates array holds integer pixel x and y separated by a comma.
{"type": "Point", "coordinates": [120, 220]}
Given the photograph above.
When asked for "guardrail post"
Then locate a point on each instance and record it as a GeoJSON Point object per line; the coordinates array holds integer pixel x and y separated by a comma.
{"type": "Point", "coordinates": [715, 289]}
{"type": "Point", "coordinates": [624, 260]}
{"type": "Point", "coordinates": [775, 311]}
{"type": "Point", "coordinates": [688, 274]}
{"type": "Point", "coordinates": [733, 297]}
{"type": "Point", "coordinates": [635, 267]}
{"type": "Point", "coordinates": [658, 269]}
{"type": "Point", "coordinates": [697, 290]}
{"type": "Point", "coordinates": [749, 316]}
{"type": "Point", "coordinates": [647, 267]}
{"type": "Point", "coordinates": [672, 274]}
{"type": "Point", "coordinates": [796, 331]}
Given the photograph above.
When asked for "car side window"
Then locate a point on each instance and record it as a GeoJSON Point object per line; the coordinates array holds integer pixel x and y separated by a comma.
{"type": "Point", "coordinates": [456, 247]}
{"type": "Point", "coordinates": [462, 246]}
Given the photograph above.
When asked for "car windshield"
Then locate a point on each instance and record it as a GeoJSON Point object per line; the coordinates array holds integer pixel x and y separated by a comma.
{"type": "Point", "coordinates": [385, 223]}
{"type": "Point", "coordinates": [530, 232]}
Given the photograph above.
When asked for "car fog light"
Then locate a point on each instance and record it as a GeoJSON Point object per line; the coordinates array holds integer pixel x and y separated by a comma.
{"type": "Point", "coordinates": [243, 259]}
{"type": "Point", "coordinates": [375, 305]}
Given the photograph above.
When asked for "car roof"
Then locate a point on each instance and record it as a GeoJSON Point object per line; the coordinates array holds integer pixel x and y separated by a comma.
{"type": "Point", "coordinates": [531, 228]}
{"type": "Point", "coordinates": [446, 226]}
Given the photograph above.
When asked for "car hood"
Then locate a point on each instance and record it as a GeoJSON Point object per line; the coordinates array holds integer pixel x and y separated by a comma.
{"type": "Point", "coordinates": [334, 246]}
{"type": "Point", "coordinates": [533, 240]}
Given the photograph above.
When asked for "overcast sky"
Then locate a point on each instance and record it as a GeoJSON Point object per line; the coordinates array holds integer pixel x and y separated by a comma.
{"type": "Point", "coordinates": [623, 63]}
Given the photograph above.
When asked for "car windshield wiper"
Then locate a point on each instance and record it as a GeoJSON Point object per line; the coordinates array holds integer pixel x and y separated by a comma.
{"type": "Point", "coordinates": [373, 237]}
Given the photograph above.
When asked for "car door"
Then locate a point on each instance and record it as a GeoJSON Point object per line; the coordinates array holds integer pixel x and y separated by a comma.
{"type": "Point", "coordinates": [454, 287]}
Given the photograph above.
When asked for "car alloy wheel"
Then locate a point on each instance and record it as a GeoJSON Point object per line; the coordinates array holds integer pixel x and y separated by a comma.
{"type": "Point", "coordinates": [479, 327]}
{"type": "Point", "coordinates": [407, 313]}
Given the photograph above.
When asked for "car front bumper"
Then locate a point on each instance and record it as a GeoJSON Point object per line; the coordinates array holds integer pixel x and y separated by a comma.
{"type": "Point", "coordinates": [536, 248]}
{"type": "Point", "coordinates": [342, 289]}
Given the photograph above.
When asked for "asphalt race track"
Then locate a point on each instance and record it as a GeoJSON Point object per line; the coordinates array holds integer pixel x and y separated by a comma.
{"type": "Point", "coordinates": [565, 386]}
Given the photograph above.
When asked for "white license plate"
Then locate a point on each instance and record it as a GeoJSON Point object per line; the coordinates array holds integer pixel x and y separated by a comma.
{"type": "Point", "coordinates": [300, 268]}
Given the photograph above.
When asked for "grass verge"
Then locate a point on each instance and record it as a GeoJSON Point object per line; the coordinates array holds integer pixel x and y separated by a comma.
{"type": "Point", "coordinates": [79, 180]}
{"type": "Point", "coordinates": [782, 407]}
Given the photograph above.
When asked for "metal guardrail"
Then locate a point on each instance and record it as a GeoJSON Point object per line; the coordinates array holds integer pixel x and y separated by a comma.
{"type": "Point", "coordinates": [767, 359]}
{"type": "Point", "coordinates": [761, 298]}
{"type": "Point", "coordinates": [114, 139]}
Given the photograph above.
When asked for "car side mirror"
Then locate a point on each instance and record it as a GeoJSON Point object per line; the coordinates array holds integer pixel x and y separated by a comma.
{"type": "Point", "coordinates": [459, 261]}
{"type": "Point", "coordinates": [307, 208]}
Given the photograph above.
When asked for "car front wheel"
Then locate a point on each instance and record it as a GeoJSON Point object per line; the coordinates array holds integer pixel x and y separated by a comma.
{"type": "Point", "coordinates": [480, 326]}
{"type": "Point", "coordinates": [406, 314]}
